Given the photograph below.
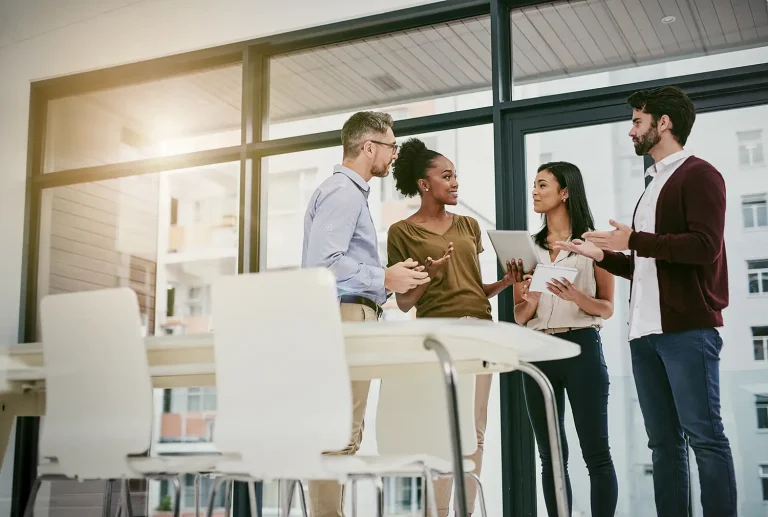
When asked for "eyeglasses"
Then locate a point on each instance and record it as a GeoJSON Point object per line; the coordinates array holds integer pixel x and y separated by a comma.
{"type": "Point", "coordinates": [394, 147]}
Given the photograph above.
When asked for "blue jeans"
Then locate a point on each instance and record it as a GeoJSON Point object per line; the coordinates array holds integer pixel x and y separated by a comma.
{"type": "Point", "coordinates": [678, 386]}
{"type": "Point", "coordinates": [585, 378]}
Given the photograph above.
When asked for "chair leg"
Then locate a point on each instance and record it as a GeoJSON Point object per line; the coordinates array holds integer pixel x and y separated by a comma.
{"type": "Point", "coordinates": [230, 486]}
{"type": "Point", "coordinates": [302, 500]}
{"type": "Point", "coordinates": [106, 504]}
{"type": "Point", "coordinates": [127, 503]}
{"type": "Point", "coordinates": [29, 511]}
{"type": "Point", "coordinates": [177, 497]}
{"type": "Point", "coordinates": [430, 488]}
{"type": "Point", "coordinates": [252, 499]}
{"type": "Point", "coordinates": [287, 501]}
{"type": "Point", "coordinates": [197, 494]}
{"type": "Point", "coordinates": [423, 500]}
{"type": "Point", "coordinates": [379, 496]}
{"type": "Point", "coordinates": [480, 494]}
{"type": "Point", "coordinates": [353, 490]}
{"type": "Point", "coordinates": [217, 482]}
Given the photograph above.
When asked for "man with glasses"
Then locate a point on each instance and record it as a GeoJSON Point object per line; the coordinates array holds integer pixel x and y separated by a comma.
{"type": "Point", "coordinates": [339, 234]}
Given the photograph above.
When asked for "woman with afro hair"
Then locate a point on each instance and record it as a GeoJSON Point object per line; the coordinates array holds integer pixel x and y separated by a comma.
{"type": "Point", "coordinates": [448, 245]}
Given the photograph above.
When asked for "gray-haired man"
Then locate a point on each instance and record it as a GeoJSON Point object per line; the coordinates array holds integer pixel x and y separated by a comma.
{"type": "Point", "coordinates": [339, 234]}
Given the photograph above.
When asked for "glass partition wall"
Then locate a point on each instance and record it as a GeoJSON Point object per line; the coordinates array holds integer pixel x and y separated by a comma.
{"type": "Point", "coordinates": [164, 178]}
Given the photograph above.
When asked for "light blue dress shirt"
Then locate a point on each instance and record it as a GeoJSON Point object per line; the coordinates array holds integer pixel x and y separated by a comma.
{"type": "Point", "coordinates": [339, 234]}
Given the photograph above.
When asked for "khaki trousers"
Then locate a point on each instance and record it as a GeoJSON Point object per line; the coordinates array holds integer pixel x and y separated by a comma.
{"type": "Point", "coordinates": [443, 485]}
{"type": "Point", "coordinates": [327, 497]}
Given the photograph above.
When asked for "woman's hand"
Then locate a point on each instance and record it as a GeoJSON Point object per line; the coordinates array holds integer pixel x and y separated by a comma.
{"type": "Point", "coordinates": [514, 274]}
{"type": "Point", "coordinates": [532, 298]}
{"type": "Point", "coordinates": [433, 266]}
{"type": "Point", "coordinates": [564, 290]}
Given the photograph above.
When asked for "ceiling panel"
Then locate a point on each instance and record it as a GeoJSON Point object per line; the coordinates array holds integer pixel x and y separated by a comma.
{"type": "Point", "coordinates": [553, 40]}
{"type": "Point", "coordinates": [616, 33]}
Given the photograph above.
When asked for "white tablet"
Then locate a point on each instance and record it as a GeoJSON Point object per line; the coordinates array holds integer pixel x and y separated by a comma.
{"type": "Point", "coordinates": [545, 273]}
{"type": "Point", "coordinates": [513, 245]}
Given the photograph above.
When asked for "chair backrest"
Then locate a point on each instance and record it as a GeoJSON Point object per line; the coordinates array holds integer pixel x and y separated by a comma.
{"type": "Point", "coordinates": [98, 386]}
{"type": "Point", "coordinates": [412, 416]}
{"type": "Point", "coordinates": [283, 385]}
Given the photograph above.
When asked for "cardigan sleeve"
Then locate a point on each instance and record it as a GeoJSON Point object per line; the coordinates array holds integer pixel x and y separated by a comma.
{"type": "Point", "coordinates": [704, 211]}
{"type": "Point", "coordinates": [617, 264]}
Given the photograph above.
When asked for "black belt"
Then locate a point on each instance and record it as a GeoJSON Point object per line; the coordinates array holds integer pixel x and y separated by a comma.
{"type": "Point", "coordinates": [361, 300]}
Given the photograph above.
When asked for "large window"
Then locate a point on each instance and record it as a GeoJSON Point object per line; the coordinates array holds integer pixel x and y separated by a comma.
{"type": "Point", "coordinates": [603, 153]}
{"type": "Point", "coordinates": [181, 114]}
{"type": "Point", "coordinates": [471, 150]}
{"type": "Point", "coordinates": [167, 236]}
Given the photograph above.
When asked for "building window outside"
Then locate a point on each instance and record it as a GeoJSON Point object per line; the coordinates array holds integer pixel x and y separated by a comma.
{"type": "Point", "coordinates": [201, 399]}
{"type": "Point", "coordinates": [751, 148]}
{"type": "Point", "coordinates": [757, 273]}
{"type": "Point", "coordinates": [754, 210]}
{"type": "Point", "coordinates": [761, 406]}
{"type": "Point", "coordinates": [764, 480]}
{"type": "Point", "coordinates": [545, 158]}
{"type": "Point", "coordinates": [760, 343]}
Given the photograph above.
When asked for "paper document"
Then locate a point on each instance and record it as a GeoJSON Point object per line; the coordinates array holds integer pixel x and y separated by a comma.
{"type": "Point", "coordinates": [545, 273]}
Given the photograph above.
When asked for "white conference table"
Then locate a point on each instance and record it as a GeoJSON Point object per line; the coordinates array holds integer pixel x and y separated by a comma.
{"type": "Point", "coordinates": [378, 350]}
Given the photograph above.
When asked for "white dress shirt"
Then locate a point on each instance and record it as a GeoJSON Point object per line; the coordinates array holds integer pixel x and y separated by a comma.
{"type": "Point", "coordinates": [645, 310]}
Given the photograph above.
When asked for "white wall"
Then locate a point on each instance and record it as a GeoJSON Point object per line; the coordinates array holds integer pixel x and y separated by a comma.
{"type": "Point", "coordinates": [82, 37]}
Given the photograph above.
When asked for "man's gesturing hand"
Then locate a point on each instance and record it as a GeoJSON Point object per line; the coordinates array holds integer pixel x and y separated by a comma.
{"type": "Point", "coordinates": [404, 276]}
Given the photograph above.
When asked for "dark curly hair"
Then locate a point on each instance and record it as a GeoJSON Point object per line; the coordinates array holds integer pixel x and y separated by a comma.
{"type": "Point", "coordinates": [411, 165]}
{"type": "Point", "coordinates": [670, 101]}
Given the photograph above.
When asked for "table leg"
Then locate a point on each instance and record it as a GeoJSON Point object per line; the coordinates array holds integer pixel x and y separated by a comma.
{"type": "Point", "coordinates": [553, 427]}
{"type": "Point", "coordinates": [449, 373]}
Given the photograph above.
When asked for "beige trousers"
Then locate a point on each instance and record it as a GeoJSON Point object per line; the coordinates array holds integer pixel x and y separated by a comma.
{"type": "Point", "coordinates": [443, 485]}
{"type": "Point", "coordinates": [327, 497]}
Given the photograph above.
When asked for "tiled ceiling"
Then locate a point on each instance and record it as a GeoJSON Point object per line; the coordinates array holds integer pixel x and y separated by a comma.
{"type": "Point", "coordinates": [566, 38]}
{"type": "Point", "coordinates": [428, 62]}
{"type": "Point", "coordinates": [552, 40]}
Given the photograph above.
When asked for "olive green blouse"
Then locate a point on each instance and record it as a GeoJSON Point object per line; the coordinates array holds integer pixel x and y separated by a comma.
{"type": "Point", "coordinates": [457, 290]}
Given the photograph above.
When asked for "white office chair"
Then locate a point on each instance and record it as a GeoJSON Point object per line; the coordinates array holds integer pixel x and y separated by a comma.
{"type": "Point", "coordinates": [99, 414]}
{"type": "Point", "coordinates": [411, 420]}
{"type": "Point", "coordinates": [282, 381]}
{"type": "Point", "coordinates": [283, 385]}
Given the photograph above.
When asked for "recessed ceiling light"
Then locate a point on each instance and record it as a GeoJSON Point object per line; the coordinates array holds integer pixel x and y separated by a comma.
{"type": "Point", "coordinates": [668, 19]}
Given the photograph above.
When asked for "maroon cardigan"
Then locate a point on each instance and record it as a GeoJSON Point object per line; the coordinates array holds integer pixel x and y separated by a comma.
{"type": "Point", "coordinates": [688, 246]}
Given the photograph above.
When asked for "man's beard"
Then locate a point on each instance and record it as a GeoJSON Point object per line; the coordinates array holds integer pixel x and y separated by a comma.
{"type": "Point", "coordinates": [647, 141]}
{"type": "Point", "coordinates": [380, 172]}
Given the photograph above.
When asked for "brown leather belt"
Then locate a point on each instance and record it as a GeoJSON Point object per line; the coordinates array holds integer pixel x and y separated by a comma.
{"type": "Point", "coordinates": [362, 300]}
{"type": "Point", "coordinates": [563, 330]}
